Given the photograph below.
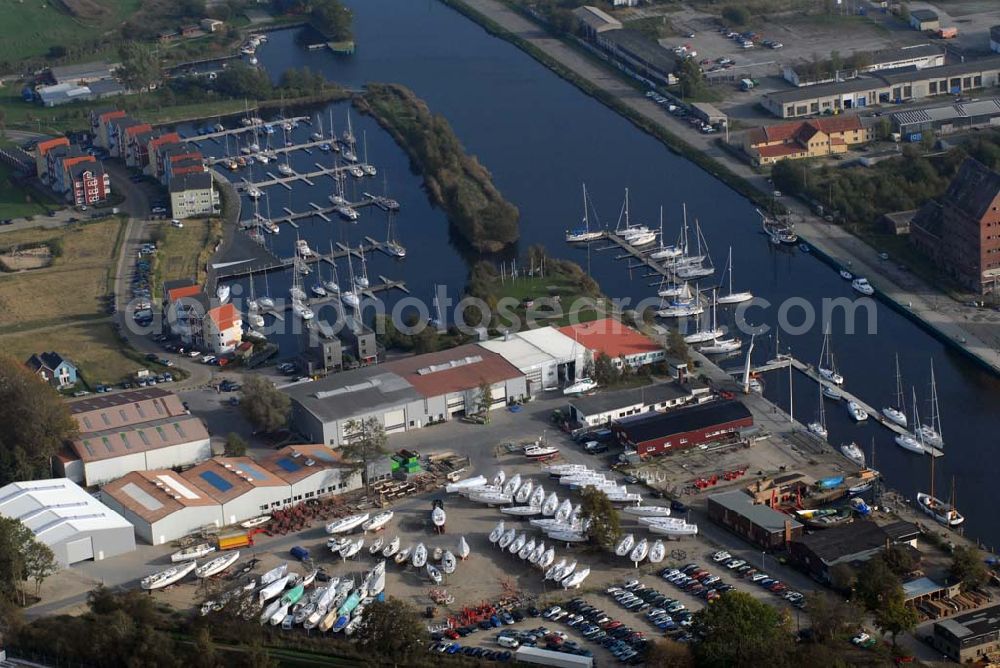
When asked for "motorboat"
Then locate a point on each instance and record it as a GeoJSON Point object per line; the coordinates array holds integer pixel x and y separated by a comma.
{"type": "Point", "coordinates": [477, 481]}
{"type": "Point", "coordinates": [536, 451]}
{"type": "Point", "coordinates": [524, 491]}
{"type": "Point", "coordinates": [624, 545]}
{"type": "Point", "coordinates": [491, 498]}
{"type": "Point", "coordinates": [497, 533]}
{"type": "Point", "coordinates": [194, 552]}
{"type": "Point", "coordinates": [846, 275]}
{"type": "Point", "coordinates": [217, 565]}
{"type": "Point", "coordinates": [273, 589]}
{"type": "Point", "coordinates": [854, 453]}
{"type": "Point", "coordinates": [345, 524]}
{"type": "Point", "coordinates": [863, 286]}
{"type": "Point", "coordinates": [338, 545]}
{"type": "Point", "coordinates": [302, 248]}
{"type": "Point", "coordinates": [463, 548]}
{"type": "Point", "coordinates": [433, 573]}
{"type": "Point", "coordinates": [377, 522]}
{"type": "Point", "coordinates": [576, 579]}
{"type": "Point", "coordinates": [858, 414]}
{"type": "Point", "coordinates": [419, 556]}
{"type": "Point", "coordinates": [639, 552]}
{"type": "Point", "coordinates": [580, 386]}
{"type": "Point", "coordinates": [522, 511]}
{"type": "Point", "coordinates": [657, 552]}
{"type": "Point", "coordinates": [517, 544]}
{"type": "Point", "coordinates": [647, 511]}
{"type": "Point", "coordinates": [391, 548]}
{"type": "Point", "coordinates": [448, 563]}
{"type": "Point", "coordinates": [169, 576]}
{"type": "Point", "coordinates": [506, 539]}
{"type": "Point", "coordinates": [942, 512]}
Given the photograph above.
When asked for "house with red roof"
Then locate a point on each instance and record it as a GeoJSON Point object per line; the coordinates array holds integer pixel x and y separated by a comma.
{"type": "Point", "coordinates": [814, 138]}
{"type": "Point", "coordinates": [623, 344]}
{"type": "Point", "coordinates": [222, 328]}
{"type": "Point", "coordinates": [42, 148]}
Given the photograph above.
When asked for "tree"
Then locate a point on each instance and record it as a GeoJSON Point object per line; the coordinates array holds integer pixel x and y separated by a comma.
{"type": "Point", "coordinates": [366, 442]}
{"type": "Point", "coordinates": [14, 541]}
{"type": "Point", "coordinates": [894, 616]}
{"type": "Point", "coordinates": [257, 656]}
{"type": "Point", "coordinates": [391, 630]}
{"type": "Point", "coordinates": [263, 404]}
{"type": "Point", "coordinates": [736, 15]}
{"type": "Point", "coordinates": [678, 347]}
{"type": "Point", "coordinates": [605, 372]}
{"type": "Point", "coordinates": [332, 19]}
{"type": "Point", "coordinates": [34, 423]}
{"type": "Point", "coordinates": [39, 563]}
{"type": "Point", "coordinates": [204, 654]}
{"type": "Point", "coordinates": [605, 523]}
{"type": "Point", "coordinates": [789, 176]}
{"type": "Point", "coordinates": [235, 445]}
{"type": "Point", "coordinates": [878, 588]}
{"type": "Point", "coordinates": [830, 617]}
{"type": "Point", "coordinates": [904, 12]}
{"type": "Point", "coordinates": [666, 653]}
{"type": "Point", "coordinates": [690, 76]}
{"type": "Point", "coordinates": [140, 68]}
{"type": "Point", "coordinates": [843, 577]}
{"type": "Point", "coordinates": [899, 559]}
{"type": "Point", "coordinates": [485, 399]}
{"type": "Point", "coordinates": [967, 568]}
{"type": "Point", "coordinates": [739, 630]}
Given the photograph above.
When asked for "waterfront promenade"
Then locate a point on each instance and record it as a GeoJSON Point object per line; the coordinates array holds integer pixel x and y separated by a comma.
{"type": "Point", "coordinates": [974, 331]}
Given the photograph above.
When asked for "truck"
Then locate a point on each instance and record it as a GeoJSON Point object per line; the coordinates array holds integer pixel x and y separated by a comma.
{"type": "Point", "coordinates": [235, 540]}
{"type": "Point", "coordinates": [545, 657]}
{"type": "Point", "coordinates": [299, 552]}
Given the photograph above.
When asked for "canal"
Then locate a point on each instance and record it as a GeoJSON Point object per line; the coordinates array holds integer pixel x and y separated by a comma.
{"type": "Point", "coordinates": [541, 138]}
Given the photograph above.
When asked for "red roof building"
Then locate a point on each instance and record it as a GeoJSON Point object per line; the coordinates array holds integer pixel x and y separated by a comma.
{"type": "Point", "coordinates": [44, 147]}
{"type": "Point", "coordinates": [807, 139]}
{"type": "Point", "coordinates": [616, 340]}
{"type": "Point", "coordinates": [222, 328]}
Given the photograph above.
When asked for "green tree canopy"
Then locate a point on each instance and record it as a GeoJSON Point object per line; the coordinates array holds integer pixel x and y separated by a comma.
{"type": "Point", "coordinates": [485, 399]}
{"type": "Point", "coordinates": [736, 15]}
{"type": "Point", "coordinates": [34, 423]}
{"type": "Point", "coordinates": [366, 443]}
{"type": "Point", "coordinates": [263, 404]}
{"type": "Point", "coordinates": [968, 568]}
{"type": "Point", "coordinates": [830, 616]}
{"type": "Point", "coordinates": [605, 522]}
{"type": "Point", "coordinates": [236, 446]}
{"type": "Point", "coordinates": [140, 68]}
{"type": "Point", "coordinates": [881, 593]}
{"type": "Point", "coordinates": [391, 630]}
{"type": "Point", "coordinates": [739, 630]}
{"type": "Point", "coordinates": [605, 372]}
{"type": "Point", "coordinates": [332, 19]}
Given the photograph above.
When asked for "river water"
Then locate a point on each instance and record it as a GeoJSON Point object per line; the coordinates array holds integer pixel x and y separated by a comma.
{"type": "Point", "coordinates": [541, 138]}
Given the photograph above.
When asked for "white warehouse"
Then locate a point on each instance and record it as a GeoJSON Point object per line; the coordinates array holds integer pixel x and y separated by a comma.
{"type": "Point", "coordinates": [76, 526]}
{"type": "Point", "coordinates": [141, 430]}
{"type": "Point", "coordinates": [547, 357]}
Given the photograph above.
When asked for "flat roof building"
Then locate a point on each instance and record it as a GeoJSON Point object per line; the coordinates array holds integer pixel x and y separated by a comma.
{"type": "Point", "coordinates": [594, 20]}
{"type": "Point", "coordinates": [854, 543]}
{"type": "Point", "coordinates": [970, 637]}
{"type": "Point", "coordinates": [81, 73]}
{"type": "Point", "coordinates": [602, 408]}
{"type": "Point", "coordinates": [662, 433]}
{"type": "Point", "coordinates": [757, 523]}
{"type": "Point", "coordinates": [76, 526]}
{"type": "Point", "coordinates": [133, 431]}
{"type": "Point", "coordinates": [546, 357]}
{"type": "Point", "coordinates": [947, 118]}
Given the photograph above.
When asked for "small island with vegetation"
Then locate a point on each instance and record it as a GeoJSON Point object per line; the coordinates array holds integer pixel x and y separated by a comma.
{"type": "Point", "coordinates": [456, 181]}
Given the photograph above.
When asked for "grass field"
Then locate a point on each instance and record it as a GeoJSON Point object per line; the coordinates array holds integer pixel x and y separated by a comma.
{"type": "Point", "coordinates": [30, 27]}
{"type": "Point", "coordinates": [93, 347]}
{"type": "Point", "coordinates": [182, 253]}
{"type": "Point", "coordinates": [71, 288]}
{"type": "Point", "coordinates": [15, 202]}
{"type": "Point", "coordinates": [542, 290]}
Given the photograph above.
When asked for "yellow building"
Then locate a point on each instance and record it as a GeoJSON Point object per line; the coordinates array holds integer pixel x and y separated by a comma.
{"type": "Point", "coordinates": [807, 139]}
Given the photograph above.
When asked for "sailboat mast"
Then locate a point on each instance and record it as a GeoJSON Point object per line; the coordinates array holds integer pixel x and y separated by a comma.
{"type": "Point", "coordinates": [900, 402]}
{"type": "Point", "coordinates": [586, 214]}
{"type": "Point", "coordinates": [935, 411]}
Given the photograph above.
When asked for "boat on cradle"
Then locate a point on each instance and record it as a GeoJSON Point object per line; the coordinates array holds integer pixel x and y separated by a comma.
{"type": "Point", "coordinates": [511, 486]}
{"type": "Point", "coordinates": [564, 510]}
{"type": "Point", "coordinates": [854, 453]}
{"type": "Point", "coordinates": [403, 556]}
{"type": "Point", "coordinates": [419, 556]}
{"type": "Point", "coordinates": [478, 481]}
{"type": "Point", "coordinates": [675, 530]}
{"type": "Point", "coordinates": [433, 573]}
{"type": "Point", "coordinates": [548, 556]}
{"type": "Point", "coordinates": [463, 548]}
{"type": "Point", "coordinates": [580, 386]}
{"type": "Point", "coordinates": [391, 548]}
{"type": "Point", "coordinates": [522, 511]}
{"type": "Point", "coordinates": [858, 414]}
{"type": "Point", "coordinates": [550, 505]}
{"type": "Point", "coordinates": [376, 546]}
{"type": "Point", "coordinates": [217, 565]}
{"type": "Point", "coordinates": [624, 545]}
{"type": "Point", "coordinates": [639, 552]}
{"type": "Point", "coordinates": [931, 433]}
{"type": "Point", "coordinates": [352, 549]}
{"type": "Point", "coordinates": [536, 451]}
{"type": "Point", "coordinates": [506, 539]}
{"type": "Point", "coordinates": [566, 536]}
{"type": "Point", "coordinates": [276, 610]}
{"type": "Point", "coordinates": [193, 552]}
{"type": "Point", "coordinates": [657, 552]}
{"type": "Point", "coordinates": [377, 522]}
{"type": "Point", "coordinates": [497, 533]}
{"type": "Point", "coordinates": [526, 549]}
{"type": "Point", "coordinates": [647, 511]}
{"type": "Point", "coordinates": [863, 286]}
{"type": "Point", "coordinates": [448, 563]}
{"type": "Point", "coordinates": [168, 577]}
{"type": "Point", "coordinates": [491, 498]}
{"type": "Point", "coordinates": [555, 568]}
{"type": "Point", "coordinates": [941, 511]}
{"type": "Point", "coordinates": [576, 579]}
{"type": "Point", "coordinates": [438, 516]}
{"type": "Point", "coordinates": [518, 543]}
{"type": "Point", "coordinates": [897, 413]}
{"type": "Point", "coordinates": [346, 524]}
{"type": "Point", "coordinates": [584, 233]}
{"type": "Point", "coordinates": [524, 492]}
{"type": "Point", "coordinates": [733, 297]}
{"type": "Point", "coordinates": [274, 574]}
{"type": "Point", "coordinates": [536, 553]}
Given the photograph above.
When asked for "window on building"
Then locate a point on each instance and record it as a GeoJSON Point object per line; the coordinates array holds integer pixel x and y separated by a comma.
{"type": "Point", "coordinates": [801, 110]}
{"type": "Point", "coordinates": [977, 81]}
{"type": "Point", "coordinates": [907, 92]}
{"type": "Point", "coordinates": [814, 107]}
{"type": "Point", "coordinates": [933, 88]}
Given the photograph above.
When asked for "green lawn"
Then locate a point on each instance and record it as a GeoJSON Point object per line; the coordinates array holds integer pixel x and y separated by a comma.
{"type": "Point", "coordinates": [14, 201]}
{"type": "Point", "coordinates": [29, 27]}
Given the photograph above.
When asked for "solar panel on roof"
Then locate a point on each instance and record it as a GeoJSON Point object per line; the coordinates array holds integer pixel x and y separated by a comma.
{"type": "Point", "coordinates": [325, 456]}
{"type": "Point", "coordinates": [289, 465]}
{"type": "Point", "coordinates": [254, 473]}
{"type": "Point", "coordinates": [216, 481]}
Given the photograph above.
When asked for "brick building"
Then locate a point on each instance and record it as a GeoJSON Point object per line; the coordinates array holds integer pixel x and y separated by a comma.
{"type": "Point", "coordinates": [960, 231]}
{"type": "Point", "coordinates": [807, 139]}
{"type": "Point", "coordinates": [660, 433]}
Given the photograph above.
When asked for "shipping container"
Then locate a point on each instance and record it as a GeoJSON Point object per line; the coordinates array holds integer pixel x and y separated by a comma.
{"type": "Point", "coordinates": [235, 541]}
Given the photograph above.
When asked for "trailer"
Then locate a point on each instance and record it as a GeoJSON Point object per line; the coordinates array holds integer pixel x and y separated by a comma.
{"type": "Point", "coordinates": [237, 540]}
{"type": "Point", "coordinates": [546, 657]}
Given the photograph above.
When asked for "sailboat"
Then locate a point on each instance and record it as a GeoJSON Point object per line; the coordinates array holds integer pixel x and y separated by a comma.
{"type": "Point", "coordinates": [697, 269]}
{"type": "Point", "coordinates": [318, 135]}
{"type": "Point", "coordinates": [393, 247]}
{"type": "Point", "coordinates": [664, 252]}
{"type": "Point", "coordinates": [897, 412]}
{"type": "Point", "coordinates": [348, 133]}
{"type": "Point", "coordinates": [913, 442]}
{"type": "Point", "coordinates": [931, 433]}
{"type": "Point", "coordinates": [367, 167]}
{"type": "Point", "coordinates": [361, 282]}
{"type": "Point", "coordinates": [819, 427]}
{"type": "Point", "coordinates": [254, 317]}
{"type": "Point", "coordinates": [350, 297]}
{"type": "Point", "coordinates": [265, 301]}
{"type": "Point", "coordinates": [285, 168]}
{"type": "Point", "coordinates": [584, 233]}
{"type": "Point", "coordinates": [942, 512]}
{"type": "Point", "coordinates": [685, 305]}
{"type": "Point", "coordinates": [733, 297]}
{"type": "Point", "coordinates": [720, 346]}
{"type": "Point", "coordinates": [636, 235]}
{"type": "Point", "coordinates": [827, 369]}
{"type": "Point", "coordinates": [318, 288]}
{"type": "Point", "coordinates": [709, 333]}
{"type": "Point", "coordinates": [332, 286]}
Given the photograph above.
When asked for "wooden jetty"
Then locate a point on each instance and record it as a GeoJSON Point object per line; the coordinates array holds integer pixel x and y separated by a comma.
{"type": "Point", "coordinates": [246, 128]}
{"type": "Point", "coordinates": [369, 245]}
{"type": "Point", "coordinates": [811, 372]}
{"type": "Point", "coordinates": [332, 172]}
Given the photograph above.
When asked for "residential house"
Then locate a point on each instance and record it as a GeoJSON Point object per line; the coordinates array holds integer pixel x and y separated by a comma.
{"type": "Point", "coordinates": [184, 307]}
{"type": "Point", "coordinates": [211, 25]}
{"type": "Point", "coordinates": [42, 149]}
{"type": "Point", "coordinates": [222, 329]}
{"type": "Point", "coordinates": [153, 147]}
{"type": "Point", "coordinates": [100, 123]}
{"type": "Point", "coordinates": [59, 162]}
{"type": "Point", "coordinates": [91, 184]}
{"type": "Point", "coordinates": [53, 368]}
{"type": "Point", "coordinates": [193, 195]}
{"type": "Point", "coordinates": [960, 232]}
{"type": "Point", "coordinates": [807, 139]}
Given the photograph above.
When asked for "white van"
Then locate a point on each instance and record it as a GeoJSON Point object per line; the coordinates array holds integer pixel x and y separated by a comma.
{"type": "Point", "coordinates": [508, 642]}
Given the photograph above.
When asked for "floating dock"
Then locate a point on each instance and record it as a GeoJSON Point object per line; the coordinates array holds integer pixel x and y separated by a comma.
{"type": "Point", "coordinates": [369, 245]}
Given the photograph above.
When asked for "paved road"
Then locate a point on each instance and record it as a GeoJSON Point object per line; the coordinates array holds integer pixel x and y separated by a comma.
{"type": "Point", "coordinates": [962, 324]}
